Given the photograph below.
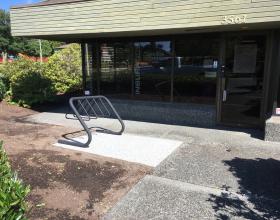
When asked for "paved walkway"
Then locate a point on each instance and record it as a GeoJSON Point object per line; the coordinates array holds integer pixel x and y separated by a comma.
{"type": "Point", "coordinates": [215, 174]}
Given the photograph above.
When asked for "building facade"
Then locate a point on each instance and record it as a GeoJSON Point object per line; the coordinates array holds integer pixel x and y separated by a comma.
{"type": "Point", "coordinates": [200, 62]}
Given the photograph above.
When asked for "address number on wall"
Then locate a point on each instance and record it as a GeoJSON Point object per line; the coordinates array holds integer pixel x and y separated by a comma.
{"type": "Point", "coordinates": [234, 19]}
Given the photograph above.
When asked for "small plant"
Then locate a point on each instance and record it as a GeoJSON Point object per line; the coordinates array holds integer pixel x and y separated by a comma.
{"type": "Point", "coordinates": [12, 191]}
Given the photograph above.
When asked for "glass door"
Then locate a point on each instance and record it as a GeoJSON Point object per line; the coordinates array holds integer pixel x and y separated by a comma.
{"type": "Point", "coordinates": [242, 80]}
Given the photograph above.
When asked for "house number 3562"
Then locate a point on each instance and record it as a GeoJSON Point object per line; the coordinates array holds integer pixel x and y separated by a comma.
{"type": "Point", "coordinates": [234, 19]}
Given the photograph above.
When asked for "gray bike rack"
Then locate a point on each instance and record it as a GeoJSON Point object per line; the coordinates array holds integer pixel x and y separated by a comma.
{"type": "Point", "coordinates": [86, 108]}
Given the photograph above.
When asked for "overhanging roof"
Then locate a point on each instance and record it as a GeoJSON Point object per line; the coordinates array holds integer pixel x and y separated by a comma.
{"type": "Point", "coordinates": [76, 19]}
{"type": "Point", "coordinates": [47, 2]}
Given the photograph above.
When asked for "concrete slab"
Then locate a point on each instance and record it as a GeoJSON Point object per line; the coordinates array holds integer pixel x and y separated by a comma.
{"type": "Point", "coordinates": [240, 167]}
{"type": "Point", "coordinates": [139, 149]}
{"type": "Point", "coordinates": [225, 165]}
{"type": "Point", "coordinates": [161, 198]}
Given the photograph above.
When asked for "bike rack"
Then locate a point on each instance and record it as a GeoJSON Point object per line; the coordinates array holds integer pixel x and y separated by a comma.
{"type": "Point", "coordinates": [86, 108]}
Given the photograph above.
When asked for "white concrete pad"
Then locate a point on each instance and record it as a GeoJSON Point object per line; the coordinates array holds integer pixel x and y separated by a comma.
{"type": "Point", "coordinates": [140, 149]}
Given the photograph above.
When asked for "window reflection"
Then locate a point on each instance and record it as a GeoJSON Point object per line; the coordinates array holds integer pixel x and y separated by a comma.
{"type": "Point", "coordinates": [152, 70]}
{"type": "Point", "coordinates": [196, 66]}
{"type": "Point", "coordinates": [142, 70]}
{"type": "Point", "coordinates": [115, 70]}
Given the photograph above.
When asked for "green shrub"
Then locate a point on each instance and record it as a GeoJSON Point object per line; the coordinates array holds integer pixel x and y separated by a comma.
{"type": "Point", "coordinates": [64, 68]}
{"type": "Point", "coordinates": [12, 191]}
{"type": "Point", "coordinates": [3, 77]}
{"type": "Point", "coordinates": [30, 82]}
{"type": "Point", "coordinates": [2, 90]}
{"type": "Point", "coordinates": [28, 85]}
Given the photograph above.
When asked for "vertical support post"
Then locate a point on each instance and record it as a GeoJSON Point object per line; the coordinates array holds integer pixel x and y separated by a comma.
{"type": "Point", "coordinates": [114, 66]}
{"type": "Point", "coordinates": [275, 72]}
{"type": "Point", "coordinates": [83, 66]}
{"type": "Point", "coordinates": [132, 50]}
{"type": "Point", "coordinates": [269, 79]}
{"type": "Point", "coordinates": [220, 78]}
{"type": "Point", "coordinates": [91, 61]}
{"type": "Point", "coordinates": [41, 53]}
{"type": "Point", "coordinates": [172, 70]}
{"type": "Point", "coordinates": [98, 66]}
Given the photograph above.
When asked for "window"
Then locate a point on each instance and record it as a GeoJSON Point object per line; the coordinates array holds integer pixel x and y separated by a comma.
{"type": "Point", "coordinates": [195, 73]}
{"type": "Point", "coordinates": [152, 70]}
{"type": "Point", "coordinates": [115, 69]}
{"type": "Point", "coordinates": [143, 69]}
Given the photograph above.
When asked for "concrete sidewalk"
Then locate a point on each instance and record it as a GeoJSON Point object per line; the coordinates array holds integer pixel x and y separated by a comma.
{"type": "Point", "coordinates": [216, 174]}
{"type": "Point", "coordinates": [207, 182]}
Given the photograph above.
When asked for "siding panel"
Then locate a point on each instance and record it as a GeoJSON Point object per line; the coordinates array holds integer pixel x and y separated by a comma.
{"type": "Point", "coordinates": [128, 15]}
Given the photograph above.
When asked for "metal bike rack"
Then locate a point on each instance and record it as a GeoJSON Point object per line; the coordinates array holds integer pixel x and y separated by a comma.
{"type": "Point", "coordinates": [86, 108]}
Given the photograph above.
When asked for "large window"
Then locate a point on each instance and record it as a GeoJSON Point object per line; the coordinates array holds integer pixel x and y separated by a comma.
{"type": "Point", "coordinates": [152, 70]}
{"type": "Point", "coordinates": [157, 70]}
{"type": "Point", "coordinates": [196, 66]}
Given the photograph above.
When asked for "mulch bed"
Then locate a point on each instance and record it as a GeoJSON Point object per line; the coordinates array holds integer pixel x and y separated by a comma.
{"type": "Point", "coordinates": [65, 184]}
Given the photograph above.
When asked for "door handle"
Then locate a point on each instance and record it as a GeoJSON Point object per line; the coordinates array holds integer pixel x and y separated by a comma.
{"type": "Point", "coordinates": [224, 95]}
{"type": "Point", "coordinates": [223, 67]}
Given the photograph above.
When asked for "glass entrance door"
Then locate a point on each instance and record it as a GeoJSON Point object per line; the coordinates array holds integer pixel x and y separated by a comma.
{"type": "Point", "coordinates": [242, 80]}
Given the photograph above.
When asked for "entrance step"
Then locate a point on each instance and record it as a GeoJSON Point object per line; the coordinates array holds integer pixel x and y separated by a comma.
{"type": "Point", "coordinates": [272, 129]}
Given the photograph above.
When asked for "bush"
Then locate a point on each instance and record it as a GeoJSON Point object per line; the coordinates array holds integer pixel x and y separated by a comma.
{"type": "Point", "coordinates": [2, 90]}
{"type": "Point", "coordinates": [28, 85]}
{"type": "Point", "coordinates": [64, 68]}
{"type": "Point", "coordinates": [30, 82]}
{"type": "Point", "coordinates": [3, 77]}
{"type": "Point", "coordinates": [12, 191]}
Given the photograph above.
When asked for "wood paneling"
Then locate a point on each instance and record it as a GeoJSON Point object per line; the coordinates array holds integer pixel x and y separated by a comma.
{"type": "Point", "coordinates": [109, 16]}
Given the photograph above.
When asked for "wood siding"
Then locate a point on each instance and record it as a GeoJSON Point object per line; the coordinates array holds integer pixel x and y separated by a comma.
{"type": "Point", "coordinates": [111, 16]}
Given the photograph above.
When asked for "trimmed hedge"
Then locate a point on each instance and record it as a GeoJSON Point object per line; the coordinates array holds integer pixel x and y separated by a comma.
{"type": "Point", "coordinates": [12, 191]}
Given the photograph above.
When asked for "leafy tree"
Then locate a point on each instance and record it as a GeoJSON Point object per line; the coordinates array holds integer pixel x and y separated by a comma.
{"type": "Point", "coordinates": [31, 47]}
{"type": "Point", "coordinates": [5, 33]}
{"type": "Point", "coordinates": [15, 45]}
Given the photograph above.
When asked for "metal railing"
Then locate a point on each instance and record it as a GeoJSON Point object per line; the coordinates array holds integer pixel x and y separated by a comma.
{"type": "Point", "coordinates": [86, 108]}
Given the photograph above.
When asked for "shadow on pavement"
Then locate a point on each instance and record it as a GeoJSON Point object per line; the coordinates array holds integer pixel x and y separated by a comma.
{"type": "Point", "coordinates": [259, 180]}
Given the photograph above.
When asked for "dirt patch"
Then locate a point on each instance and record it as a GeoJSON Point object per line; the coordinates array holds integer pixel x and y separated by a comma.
{"type": "Point", "coordinates": [65, 184]}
